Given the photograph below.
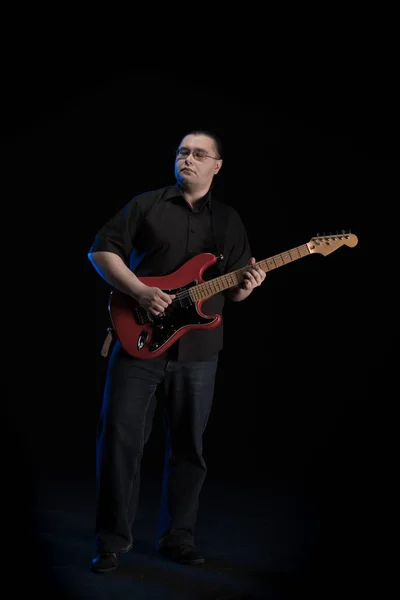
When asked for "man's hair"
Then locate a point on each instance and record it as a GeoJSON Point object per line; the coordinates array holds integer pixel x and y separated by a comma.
{"type": "Point", "coordinates": [210, 134]}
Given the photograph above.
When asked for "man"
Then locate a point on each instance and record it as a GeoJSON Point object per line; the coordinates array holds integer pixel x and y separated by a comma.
{"type": "Point", "coordinates": [153, 235]}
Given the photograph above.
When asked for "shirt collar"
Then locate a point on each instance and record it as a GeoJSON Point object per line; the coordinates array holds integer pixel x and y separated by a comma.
{"type": "Point", "coordinates": [174, 191]}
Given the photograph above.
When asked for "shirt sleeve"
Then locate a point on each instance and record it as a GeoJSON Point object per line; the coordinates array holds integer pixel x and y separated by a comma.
{"type": "Point", "coordinates": [238, 247]}
{"type": "Point", "coordinates": [118, 234]}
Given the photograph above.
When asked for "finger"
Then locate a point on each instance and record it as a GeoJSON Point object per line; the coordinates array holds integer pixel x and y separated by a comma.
{"type": "Point", "coordinates": [166, 297]}
{"type": "Point", "coordinates": [257, 279]}
{"type": "Point", "coordinates": [259, 275]}
{"type": "Point", "coordinates": [247, 283]}
{"type": "Point", "coordinates": [161, 302]}
{"type": "Point", "coordinates": [254, 275]}
{"type": "Point", "coordinates": [163, 297]}
{"type": "Point", "coordinates": [158, 307]}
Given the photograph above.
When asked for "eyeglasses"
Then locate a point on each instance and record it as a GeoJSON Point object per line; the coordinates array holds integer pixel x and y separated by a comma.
{"type": "Point", "coordinates": [197, 154]}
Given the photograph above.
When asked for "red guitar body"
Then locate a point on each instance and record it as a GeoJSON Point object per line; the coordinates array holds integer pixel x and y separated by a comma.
{"type": "Point", "coordinates": [144, 336]}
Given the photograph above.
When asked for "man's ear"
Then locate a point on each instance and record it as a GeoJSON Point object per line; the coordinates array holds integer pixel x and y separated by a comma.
{"type": "Point", "coordinates": [218, 166]}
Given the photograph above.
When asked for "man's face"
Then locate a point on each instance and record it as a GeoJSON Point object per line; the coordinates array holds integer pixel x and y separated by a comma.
{"type": "Point", "coordinates": [196, 162]}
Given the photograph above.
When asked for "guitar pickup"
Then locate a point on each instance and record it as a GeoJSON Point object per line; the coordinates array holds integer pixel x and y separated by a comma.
{"type": "Point", "coordinates": [142, 316]}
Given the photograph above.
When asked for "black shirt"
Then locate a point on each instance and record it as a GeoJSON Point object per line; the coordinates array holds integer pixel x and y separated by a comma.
{"type": "Point", "coordinates": [157, 232]}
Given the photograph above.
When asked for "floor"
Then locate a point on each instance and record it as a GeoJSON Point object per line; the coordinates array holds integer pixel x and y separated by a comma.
{"type": "Point", "coordinates": [262, 542]}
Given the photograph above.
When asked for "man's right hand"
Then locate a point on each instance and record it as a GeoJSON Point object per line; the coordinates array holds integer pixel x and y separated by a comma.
{"type": "Point", "coordinates": [154, 300]}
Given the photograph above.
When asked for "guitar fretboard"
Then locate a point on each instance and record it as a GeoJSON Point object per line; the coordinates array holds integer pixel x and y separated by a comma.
{"type": "Point", "coordinates": [219, 284]}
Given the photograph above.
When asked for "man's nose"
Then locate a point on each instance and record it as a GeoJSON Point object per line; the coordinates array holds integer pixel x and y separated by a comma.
{"type": "Point", "coordinates": [189, 158]}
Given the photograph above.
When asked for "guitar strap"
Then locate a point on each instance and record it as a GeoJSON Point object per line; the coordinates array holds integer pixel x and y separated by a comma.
{"type": "Point", "coordinates": [219, 220]}
{"type": "Point", "coordinates": [107, 342]}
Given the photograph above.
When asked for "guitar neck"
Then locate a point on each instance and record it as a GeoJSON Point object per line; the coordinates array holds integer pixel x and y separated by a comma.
{"type": "Point", "coordinates": [224, 282]}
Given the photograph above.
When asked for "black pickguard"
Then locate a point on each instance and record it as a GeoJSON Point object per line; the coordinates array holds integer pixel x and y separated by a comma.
{"type": "Point", "coordinates": [179, 314]}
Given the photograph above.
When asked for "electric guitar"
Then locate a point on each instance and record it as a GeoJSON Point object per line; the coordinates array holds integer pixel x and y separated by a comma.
{"type": "Point", "coordinates": [144, 336]}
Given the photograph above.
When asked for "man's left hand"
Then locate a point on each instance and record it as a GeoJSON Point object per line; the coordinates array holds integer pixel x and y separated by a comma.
{"type": "Point", "coordinates": [253, 276]}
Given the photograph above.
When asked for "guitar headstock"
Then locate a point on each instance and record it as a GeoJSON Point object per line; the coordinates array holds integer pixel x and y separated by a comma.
{"type": "Point", "coordinates": [325, 244]}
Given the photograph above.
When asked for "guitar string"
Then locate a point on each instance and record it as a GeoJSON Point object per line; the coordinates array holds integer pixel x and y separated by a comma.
{"type": "Point", "coordinates": [271, 262]}
{"type": "Point", "coordinates": [186, 293]}
{"type": "Point", "coordinates": [267, 261]}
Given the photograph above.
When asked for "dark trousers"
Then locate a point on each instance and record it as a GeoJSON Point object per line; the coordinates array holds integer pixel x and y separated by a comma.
{"type": "Point", "coordinates": [124, 427]}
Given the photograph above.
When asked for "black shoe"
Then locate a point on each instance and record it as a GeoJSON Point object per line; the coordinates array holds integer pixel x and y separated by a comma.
{"type": "Point", "coordinates": [185, 555]}
{"type": "Point", "coordinates": [105, 562]}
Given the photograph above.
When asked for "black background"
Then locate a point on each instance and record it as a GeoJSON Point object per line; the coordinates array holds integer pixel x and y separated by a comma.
{"type": "Point", "coordinates": [311, 136]}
